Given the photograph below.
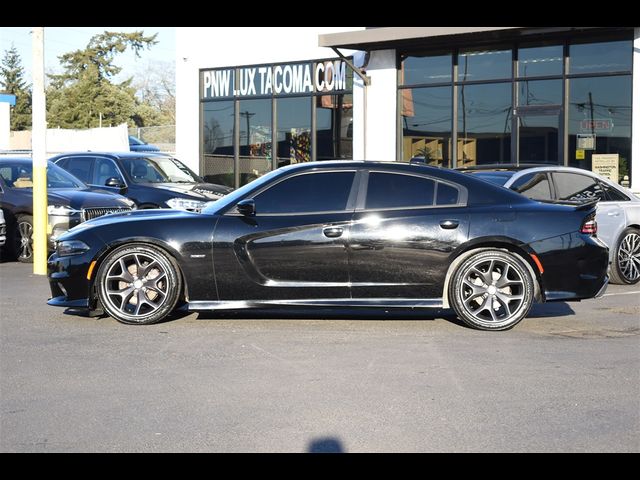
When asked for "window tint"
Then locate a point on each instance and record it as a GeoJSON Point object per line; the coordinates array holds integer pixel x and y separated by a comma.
{"type": "Point", "coordinates": [79, 167]}
{"type": "Point", "coordinates": [388, 190]}
{"type": "Point", "coordinates": [307, 193]}
{"type": "Point", "coordinates": [614, 195]}
{"type": "Point", "coordinates": [572, 186]}
{"type": "Point", "coordinates": [533, 185]}
{"type": "Point", "coordinates": [447, 195]}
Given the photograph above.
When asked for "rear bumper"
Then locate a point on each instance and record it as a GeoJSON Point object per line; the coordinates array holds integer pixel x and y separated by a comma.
{"type": "Point", "coordinates": [575, 267]}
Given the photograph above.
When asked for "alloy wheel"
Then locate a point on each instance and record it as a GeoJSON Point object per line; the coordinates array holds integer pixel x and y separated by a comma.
{"type": "Point", "coordinates": [137, 284]}
{"type": "Point", "coordinates": [492, 291]}
{"type": "Point", "coordinates": [629, 257]}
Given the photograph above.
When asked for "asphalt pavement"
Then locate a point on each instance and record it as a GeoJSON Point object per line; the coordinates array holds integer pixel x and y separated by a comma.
{"type": "Point", "coordinates": [566, 379]}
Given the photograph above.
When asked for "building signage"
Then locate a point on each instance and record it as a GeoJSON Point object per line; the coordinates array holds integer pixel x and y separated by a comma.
{"type": "Point", "coordinates": [606, 164]}
{"type": "Point", "coordinates": [288, 79]}
{"type": "Point", "coordinates": [597, 125]}
{"type": "Point", "coordinates": [585, 141]}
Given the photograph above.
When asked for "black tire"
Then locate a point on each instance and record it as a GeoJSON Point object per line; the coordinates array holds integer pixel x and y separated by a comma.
{"type": "Point", "coordinates": [22, 240]}
{"type": "Point", "coordinates": [138, 298]}
{"type": "Point", "coordinates": [625, 268]}
{"type": "Point", "coordinates": [491, 290]}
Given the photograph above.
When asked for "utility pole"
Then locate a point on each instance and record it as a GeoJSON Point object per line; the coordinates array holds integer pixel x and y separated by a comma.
{"type": "Point", "coordinates": [39, 156]}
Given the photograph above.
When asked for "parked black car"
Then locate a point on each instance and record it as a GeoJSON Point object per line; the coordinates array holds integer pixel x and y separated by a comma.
{"type": "Point", "coordinates": [70, 202]}
{"type": "Point", "coordinates": [137, 145]}
{"type": "Point", "coordinates": [339, 233]}
{"type": "Point", "coordinates": [151, 180]}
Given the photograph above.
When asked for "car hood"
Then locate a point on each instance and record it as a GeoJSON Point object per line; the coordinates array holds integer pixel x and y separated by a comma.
{"type": "Point", "coordinates": [197, 191]}
{"type": "Point", "coordinates": [161, 214]}
{"type": "Point", "coordinates": [79, 199]}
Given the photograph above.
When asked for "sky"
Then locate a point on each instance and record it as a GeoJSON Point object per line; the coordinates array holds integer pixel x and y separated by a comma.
{"type": "Point", "coordinates": [60, 40]}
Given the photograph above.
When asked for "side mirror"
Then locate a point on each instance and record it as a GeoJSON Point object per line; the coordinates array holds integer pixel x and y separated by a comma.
{"type": "Point", "coordinates": [115, 182]}
{"type": "Point", "coordinates": [247, 207]}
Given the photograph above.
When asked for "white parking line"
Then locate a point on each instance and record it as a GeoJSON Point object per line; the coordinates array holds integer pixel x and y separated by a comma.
{"type": "Point", "coordinates": [624, 293]}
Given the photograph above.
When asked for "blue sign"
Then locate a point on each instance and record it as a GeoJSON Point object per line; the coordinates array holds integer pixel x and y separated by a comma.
{"type": "Point", "coordinates": [8, 98]}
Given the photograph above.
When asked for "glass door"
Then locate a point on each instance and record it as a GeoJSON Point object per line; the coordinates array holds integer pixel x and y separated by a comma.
{"type": "Point", "coordinates": [537, 135]}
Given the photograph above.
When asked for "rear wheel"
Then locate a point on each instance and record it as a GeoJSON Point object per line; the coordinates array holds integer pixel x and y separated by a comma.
{"type": "Point", "coordinates": [138, 284]}
{"type": "Point", "coordinates": [625, 269]}
{"type": "Point", "coordinates": [23, 239]}
{"type": "Point", "coordinates": [491, 290]}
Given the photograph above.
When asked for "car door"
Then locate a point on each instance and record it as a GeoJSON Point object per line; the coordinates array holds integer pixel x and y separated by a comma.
{"type": "Point", "coordinates": [294, 246]}
{"type": "Point", "coordinates": [404, 230]}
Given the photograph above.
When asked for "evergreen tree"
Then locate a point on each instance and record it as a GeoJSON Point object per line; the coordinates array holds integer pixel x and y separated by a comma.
{"type": "Point", "coordinates": [12, 81]}
{"type": "Point", "coordinates": [79, 96]}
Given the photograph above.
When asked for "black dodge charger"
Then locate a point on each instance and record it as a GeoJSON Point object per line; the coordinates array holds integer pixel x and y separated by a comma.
{"type": "Point", "coordinates": [346, 233]}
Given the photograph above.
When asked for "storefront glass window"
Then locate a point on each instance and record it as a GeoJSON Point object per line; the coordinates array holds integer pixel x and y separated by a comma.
{"type": "Point", "coordinates": [539, 61]}
{"type": "Point", "coordinates": [255, 138]}
{"type": "Point", "coordinates": [540, 92]}
{"type": "Point", "coordinates": [426, 124]}
{"type": "Point", "coordinates": [600, 110]}
{"type": "Point", "coordinates": [484, 124]}
{"type": "Point", "coordinates": [600, 57]}
{"type": "Point", "coordinates": [294, 130]}
{"type": "Point", "coordinates": [418, 69]}
{"type": "Point", "coordinates": [484, 64]}
{"type": "Point", "coordinates": [217, 142]}
{"type": "Point", "coordinates": [334, 127]}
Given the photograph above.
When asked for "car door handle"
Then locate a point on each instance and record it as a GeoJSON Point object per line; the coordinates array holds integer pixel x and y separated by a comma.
{"type": "Point", "coordinates": [449, 224]}
{"type": "Point", "coordinates": [332, 232]}
{"type": "Point", "coordinates": [614, 214]}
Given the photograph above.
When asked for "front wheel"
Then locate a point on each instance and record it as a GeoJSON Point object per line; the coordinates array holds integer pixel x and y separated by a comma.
{"type": "Point", "coordinates": [138, 284]}
{"type": "Point", "coordinates": [491, 290]}
{"type": "Point", "coordinates": [625, 269]}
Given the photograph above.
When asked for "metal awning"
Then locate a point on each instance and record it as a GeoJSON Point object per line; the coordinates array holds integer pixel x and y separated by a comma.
{"type": "Point", "coordinates": [403, 37]}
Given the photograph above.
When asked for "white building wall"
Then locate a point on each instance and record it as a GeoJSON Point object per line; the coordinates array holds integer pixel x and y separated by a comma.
{"type": "Point", "coordinates": [635, 116]}
{"type": "Point", "coordinates": [381, 100]}
{"type": "Point", "coordinates": [212, 47]}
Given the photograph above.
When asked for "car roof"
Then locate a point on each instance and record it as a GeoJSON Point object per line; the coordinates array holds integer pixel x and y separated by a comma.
{"type": "Point", "coordinates": [114, 154]}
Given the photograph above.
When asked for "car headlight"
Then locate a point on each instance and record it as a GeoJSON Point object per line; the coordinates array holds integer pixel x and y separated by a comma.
{"type": "Point", "coordinates": [64, 248]}
{"type": "Point", "coordinates": [185, 204]}
{"type": "Point", "coordinates": [61, 210]}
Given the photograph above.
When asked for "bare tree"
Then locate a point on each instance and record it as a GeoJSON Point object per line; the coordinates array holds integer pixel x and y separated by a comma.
{"type": "Point", "coordinates": [155, 86]}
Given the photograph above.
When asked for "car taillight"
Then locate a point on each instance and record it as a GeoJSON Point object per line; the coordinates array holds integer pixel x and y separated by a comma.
{"type": "Point", "coordinates": [590, 227]}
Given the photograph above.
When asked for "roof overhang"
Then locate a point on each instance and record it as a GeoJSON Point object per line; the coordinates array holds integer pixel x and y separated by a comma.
{"type": "Point", "coordinates": [407, 37]}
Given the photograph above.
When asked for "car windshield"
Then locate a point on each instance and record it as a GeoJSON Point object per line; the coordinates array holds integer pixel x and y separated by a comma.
{"type": "Point", "coordinates": [20, 175]}
{"type": "Point", "coordinates": [160, 169]}
{"type": "Point", "coordinates": [497, 178]}
{"type": "Point", "coordinates": [135, 141]}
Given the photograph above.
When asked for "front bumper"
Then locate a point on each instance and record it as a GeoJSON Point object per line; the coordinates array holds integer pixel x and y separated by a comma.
{"type": "Point", "coordinates": [68, 280]}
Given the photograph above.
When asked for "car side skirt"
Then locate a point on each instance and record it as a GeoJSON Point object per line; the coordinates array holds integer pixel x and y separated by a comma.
{"type": "Point", "coordinates": [347, 302]}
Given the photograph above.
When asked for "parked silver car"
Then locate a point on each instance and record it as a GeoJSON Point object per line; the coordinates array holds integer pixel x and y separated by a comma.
{"type": "Point", "coordinates": [618, 213]}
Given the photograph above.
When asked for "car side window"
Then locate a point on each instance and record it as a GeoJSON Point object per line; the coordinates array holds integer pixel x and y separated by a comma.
{"type": "Point", "coordinates": [79, 167]}
{"type": "Point", "coordinates": [307, 193]}
{"type": "Point", "coordinates": [103, 170]}
{"type": "Point", "coordinates": [533, 185]}
{"type": "Point", "coordinates": [392, 190]}
{"type": "Point", "coordinates": [573, 186]}
{"type": "Point", "coordinates": [613, 195]}
{"type": "Point", "coordinates": [446, 194]}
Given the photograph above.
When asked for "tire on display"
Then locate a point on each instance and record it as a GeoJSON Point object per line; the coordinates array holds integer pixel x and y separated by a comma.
{"type": "Point", "coordinates": [491, 290]}
{"type": "Point", "coordinates": [138, 284]}
{"type": "Point", "coordinates": [625, 268]}
{"type": "Point", "coordinates": [23, 239]}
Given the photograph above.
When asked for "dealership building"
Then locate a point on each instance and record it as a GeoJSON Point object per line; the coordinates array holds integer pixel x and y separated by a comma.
{"type": "Point", "coordinates": [252, 99]}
